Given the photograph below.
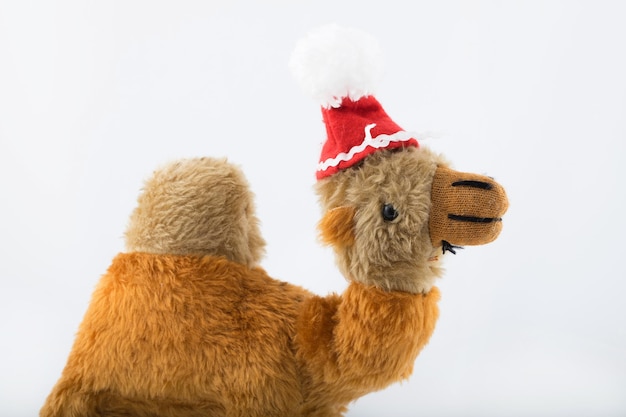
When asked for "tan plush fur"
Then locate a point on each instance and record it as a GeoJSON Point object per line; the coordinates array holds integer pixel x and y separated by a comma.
{"type": "Point", "coordinates": [390, 255]}
{"type": "Point", "coordinates": [186, 324]}
{"type": "Point", "coordinates": [197, 206]}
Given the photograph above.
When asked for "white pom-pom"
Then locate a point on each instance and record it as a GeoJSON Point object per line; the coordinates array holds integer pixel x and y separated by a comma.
{"type": "Point", "coordinates": [334, 62]}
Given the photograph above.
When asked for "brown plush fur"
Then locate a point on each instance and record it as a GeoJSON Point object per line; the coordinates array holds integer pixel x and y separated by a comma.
{"type": "Point", "coordinates": [169, 335]}
{"type": "Point", "coordinates": [187, 324]}
{"type": "Point", "coordinates": [337, 227]}
{"type": "Point", "coordinates": [194, 335]}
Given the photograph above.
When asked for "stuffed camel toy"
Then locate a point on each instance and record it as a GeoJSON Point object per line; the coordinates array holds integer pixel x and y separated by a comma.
{"type": "Point", "coordinates": [186, 322]}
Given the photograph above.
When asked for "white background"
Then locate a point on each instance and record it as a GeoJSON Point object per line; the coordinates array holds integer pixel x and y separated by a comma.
{"type": "Point", "coordinates": [95, 95]}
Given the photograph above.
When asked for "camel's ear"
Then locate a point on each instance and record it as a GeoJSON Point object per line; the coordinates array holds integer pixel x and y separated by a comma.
{"type": "Point", "coordinates": [337, 226]}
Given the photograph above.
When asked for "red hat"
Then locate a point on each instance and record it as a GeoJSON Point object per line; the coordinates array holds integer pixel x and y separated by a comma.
{"type": "Point", "coordinates": [340, 67]}
{"type": "Point", "coordinates": [355, 130]}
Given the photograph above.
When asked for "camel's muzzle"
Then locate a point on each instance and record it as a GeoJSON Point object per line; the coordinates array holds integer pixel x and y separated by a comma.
{"type": "Point", "coordinates": [467, 209]}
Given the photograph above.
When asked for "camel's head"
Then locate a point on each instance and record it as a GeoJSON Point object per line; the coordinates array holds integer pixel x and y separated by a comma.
{"type": "Point", "coordinates": [198, 206]}
{"type": "Point", "coordinates": [391, 217]}
{"type": "Point", "coordinates": [391, 207]}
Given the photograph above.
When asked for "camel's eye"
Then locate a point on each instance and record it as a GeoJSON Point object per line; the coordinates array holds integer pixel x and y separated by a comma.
{"type": "Point", "coordinates": [389, 212]}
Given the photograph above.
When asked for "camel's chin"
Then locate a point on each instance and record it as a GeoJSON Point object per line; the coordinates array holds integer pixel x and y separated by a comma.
{"type": "Point", "coordinates": [436, 255]}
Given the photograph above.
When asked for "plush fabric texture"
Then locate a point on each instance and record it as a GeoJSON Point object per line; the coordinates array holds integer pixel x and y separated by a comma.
{"type": "Point", "coordinates": [197, 206]}
{"type": "Point", "coordinates": [337, 227]}
{"type": "Point", "coordinates": [186, 324]}
{"type": "Point", "coordinates": [467, 208]}
{"type": "Point", "coordinates": [174, 335]}
{"type": "Point", "coordinates": [391, 255]}
{"type": "Point", "coordinates": [375, 338]}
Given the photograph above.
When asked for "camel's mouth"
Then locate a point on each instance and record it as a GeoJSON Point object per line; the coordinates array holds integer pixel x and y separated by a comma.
{"type": "Point", "coordinates": [439, 251]}
{"type": "Point", "coordinates": [435, 255]}
{"type": "Point", "coordinates": [448, 247]}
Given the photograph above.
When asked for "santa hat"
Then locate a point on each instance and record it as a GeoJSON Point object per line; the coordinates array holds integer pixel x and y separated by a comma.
{"type": "Point", "coordinates": [340, 67]}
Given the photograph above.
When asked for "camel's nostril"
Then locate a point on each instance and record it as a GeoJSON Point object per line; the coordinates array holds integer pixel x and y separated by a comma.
{"type": "Point", "coordinates": [474, 184]}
